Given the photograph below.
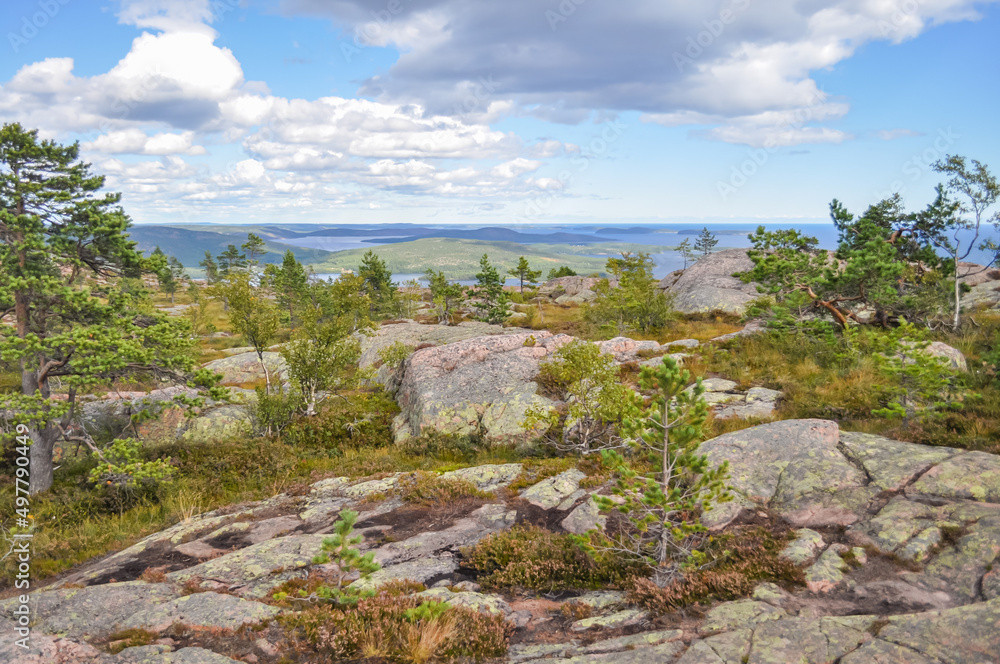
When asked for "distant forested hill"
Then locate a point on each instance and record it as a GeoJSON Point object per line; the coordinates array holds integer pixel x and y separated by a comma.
{"type": "Point", "coordinates": [189, 245]}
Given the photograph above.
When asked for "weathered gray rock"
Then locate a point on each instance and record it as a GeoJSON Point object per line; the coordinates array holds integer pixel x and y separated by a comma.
{"type": "Point", "coordinates": [490, 477]}
{"type": "Point", "coordinates": [740, 613]}
{"type": "Point", "coordinates": [804, 548]}
{"type": "Point", "coordinates": [963, 635]}
{"type": "Point", "coordinates": [551, 492]}
{"type": "Point", "coordinates": [206, 610]}
{"type": "Point", "coordinates": [414, 335]}
{"type": "Point", "coordinates": [481, 386]}
{"type": "Point", "coordinates": [827, 572]}
{"type": "Point", "coordinates": [820, 641]}
{"type": "Point", "coordinates": [969, 475]}
{"type": "Point", "coordinates": [481, 602]}
{"type": "Point", "coordinates": [626, 350]}
{"type": "Point", "coordinates": [624, 618]}
{"type": "Point", "coordinates": [708, 285]}
{"type": "Point", "coordinates": [586, 516]}
{"type": "Point", "coordinates": [246, 368]}
{"type": "Point", "coordinates": [251, 571]}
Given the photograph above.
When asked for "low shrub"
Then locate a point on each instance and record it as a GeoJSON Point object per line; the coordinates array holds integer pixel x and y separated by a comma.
{"type": "Point", "coordinates": [437, 445]}
{"type": "Point", "coordinates": [431, 490]}
{"type": "Point", "coordinates": [533, 558]}
{"type": "Point", "coordinates": [740, 560]}
{"type": "Point", "coordinates": [397, 628]}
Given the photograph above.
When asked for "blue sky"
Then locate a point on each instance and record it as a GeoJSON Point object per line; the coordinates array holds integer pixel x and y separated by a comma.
{"type": "Point", "coordinates": [528, 111]}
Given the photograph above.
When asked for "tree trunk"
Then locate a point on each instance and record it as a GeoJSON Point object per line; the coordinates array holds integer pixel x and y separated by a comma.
{"type": "Point", "coordinates": [958, 298]}
{"type": "Point", "coordinates": [43, 442]}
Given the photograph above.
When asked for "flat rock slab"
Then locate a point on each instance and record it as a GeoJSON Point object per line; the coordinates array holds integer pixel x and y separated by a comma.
{"type": "Point", "coordinates": [489, 477]}
{"type": "Point", "coordinates": [149, 655]}
{"type": "Point", "coordinates": [728, 648]}
{"type": "Point", "coordinates": [93, 611]}
{"type": "Point", "coordinates": [202, 610]}
{"type": "Point", "coordinates": [625, 618]}
{"type": "Point", "coordinates": [650, 655]}
{"type": "Point", "coordinates": [804, 548]}
{"type": "Point", "coordinates": [969, 475]}
{"type": "Point", "coordinates": [805, 641]}
{"type": "Point", "coordinates": [421, 570]}
{"type": "Point", "coordinates": [244, 567]}
{"type": "Point", "coordinates": [740, 613]}
{"type": "Point", "coordinates": [891, 464]}
{"type": "Point", "coordinates": [550, 492]}
{"type": "Point", "coordinates": [963, 635]}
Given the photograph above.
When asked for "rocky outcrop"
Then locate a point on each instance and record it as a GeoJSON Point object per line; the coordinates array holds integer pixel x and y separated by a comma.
{"type": "Point", "coordinates": [481, 386]}
{"type": "Point", "coordinates": [246, 368]}
{"type": "Point", "coordinates": [899, 544]}
{"type": "Point", "coordinates": [570, 290]}
{"type": "Point", "coordinates": [709, 284]}
{"type": "Point", "coordinates": [416, 335]}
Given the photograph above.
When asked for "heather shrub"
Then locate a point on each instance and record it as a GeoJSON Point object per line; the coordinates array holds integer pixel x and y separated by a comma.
{"type": "Point", "coordinates": [534, 558]}
{"type": "Point", "coordinates": [398, 628]}
{"type": "Point", "coordinates": [739, 560]}
{"type": "Point", "coordinates": [431, 490]}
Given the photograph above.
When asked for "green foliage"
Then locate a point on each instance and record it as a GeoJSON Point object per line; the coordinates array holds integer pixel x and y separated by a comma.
{"type": "Point", "coordinates": [410, 293]}
{"type": "Point", "coordinates": [447, 297]}
{"type": "Point", "coordinates": [634, 304]}
{"type": "Point", "coordinates": [274, 410]}
{"type": "Point", "coordinates": [588, 383]}
{"type": "Point", "coordinates": [378, 286]}
{"type": "Point", "coordinates": [253, 248]}
{"type": "Point", "coordinates": [706, 242]}
{"type": "Point", "coordinates": [339, 550]}
{"type": "Point", "coordinates": [561, 271]}
{"type": "Point", "coordinates": [197, 313]}
{"type": "Point", "coordinates": [231, 260]}
{"type": "Point", "coordinates": [686, 251]}
{"type": "Point", "coordinates": [919, 384]}
{"type": "Point", "coordinates": [252, 313]}
{"type": "Point", "coordinates": [492, 302]}
{"type": "Point", "coordinates": [529, 557]}
{"type": "Point", "coordinates": [524, 274]}
{"type": "Point", "coordinates": [289, 283]}
{"type": "Point", "coordinates": [663, 505]}
{"type": "Point", "coordinates": [976, 191]}
{"type": "Point", "coordinates": [168, 270]}
{"type": "Point", "coordinates": [320, 357]}
{"type": "Point", "coordinates": [210, 267]}
{"type": "Point", "coordinates": [58, 232]}
{"type": "Point", "coordinates": [125, 477]}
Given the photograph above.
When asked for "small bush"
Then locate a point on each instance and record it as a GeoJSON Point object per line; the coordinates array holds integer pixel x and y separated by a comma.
{"type": "Point", "coordinates": [431, 490]}
{"type": "Point", "coordinates": [534, 558]}
{"type": "Point", "coordinates": [739, 561]}
{"type": "Point", "coordinates": [437, 445]}
{"type": "Point", "coordinates": [398, 628]}
{"type": "Point", "coordinates": [130, 638]}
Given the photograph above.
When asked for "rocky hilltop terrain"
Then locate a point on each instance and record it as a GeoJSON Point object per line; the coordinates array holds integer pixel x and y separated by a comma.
{"type": "Point", "coordinates": [898, 545]}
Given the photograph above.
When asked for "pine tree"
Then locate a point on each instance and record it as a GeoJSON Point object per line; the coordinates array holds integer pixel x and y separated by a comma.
{"type": "Point", "coordinates": [634, 303]}
{"type": "Point", "coordinates": [664, 504]}
{"type": "Point", "coordinates": [231, 260]}
{"type": "Point", "coordinates": [706, 242]}
{"type": "Point", "coordinates": [561, 271]}
{"type": "Point", "coordinates": [252, 314]}
{"type": "Point", "coordinates": [686, 252]}
{"type": "Point", "coordinates": [378, 285]}
{"type": "Point", "coordinates": [289, 283]}
{"type": "Point", "coordinates": [524, 273]}
{"type": "Point", "coordinates": [211, 268]}
{"type": "Point", "coordinates": [492, 300]}
{"type": "Point", "coordinates": [446, 296]}
{"type": "Point", "coordinates": [56, 231]}
{"type": "Point", "coordinates": [254, 250]}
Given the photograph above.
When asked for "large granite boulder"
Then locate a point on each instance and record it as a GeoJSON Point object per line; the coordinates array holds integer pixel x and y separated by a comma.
{"type": "Point", "coordinates": [416, 335]}
{"type": "Point", "coordinates": [709, 284]}
{"type": "Point", "coordinates": [246, 368]}
{"type": "Point", "coordinates": [481, 386]}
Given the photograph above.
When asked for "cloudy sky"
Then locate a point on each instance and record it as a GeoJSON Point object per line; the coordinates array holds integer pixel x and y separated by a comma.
{"type": "Point", "coordinates": [513, 112]}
